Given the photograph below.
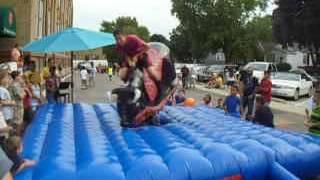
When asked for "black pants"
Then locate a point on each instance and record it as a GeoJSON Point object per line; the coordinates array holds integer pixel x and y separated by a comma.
{"type": "Point", "coordinates": [248, 101]}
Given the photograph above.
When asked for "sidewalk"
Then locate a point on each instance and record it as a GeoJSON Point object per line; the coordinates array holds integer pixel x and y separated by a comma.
{"type": "Point", "coordinates": [277, 104]}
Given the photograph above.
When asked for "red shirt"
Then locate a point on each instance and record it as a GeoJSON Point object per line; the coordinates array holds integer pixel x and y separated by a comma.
{"type": "Point", "coordinates": [266, 90]}
{"type": "Point", "coordinates": [133, 46]}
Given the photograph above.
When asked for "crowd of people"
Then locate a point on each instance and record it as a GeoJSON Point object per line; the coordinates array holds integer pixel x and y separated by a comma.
{"type": "Point", "coordinates": [88, 74]}
{"type": "Point", "coordinates": [248, 98]}
{"type": "Point", "coordinates": [22, 91]}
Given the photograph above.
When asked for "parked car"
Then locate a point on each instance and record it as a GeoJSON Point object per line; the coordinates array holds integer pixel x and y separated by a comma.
{"type": "Point", "coordinates": [313, 77]}
{"type": "Point", "coordinates": [292, 85]}
{"type": "Point", "coordinates": [207, 72]}
{"type": "Point", "coordinates": [259, 68]}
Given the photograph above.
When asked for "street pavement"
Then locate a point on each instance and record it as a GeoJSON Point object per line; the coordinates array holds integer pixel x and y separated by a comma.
{"type": "Point", "coordinates": [288, 114]}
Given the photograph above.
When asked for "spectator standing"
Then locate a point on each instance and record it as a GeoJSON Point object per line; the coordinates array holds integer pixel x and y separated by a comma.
{"type": "Point", "coordinates": [248, 88]}
{"type": "Point", "coordinates": [185, 74]}
{"type": "Point", "coordinates": [193, 78]}
{"type": "Point", "coordinates": [263, 114]}
{"type": "Point", "coordinates": [7, 104]}
{"type": "Point", "coordinates": [84, 77]}
{"type": "Point", "coordinates": [5, 166]}
{"type": "Point", "coordinates": [266, 88]}
{"type": "Point", "coordinates": [92, 74]}
{"type": "Point", "coordinates": [27, 103]}
{"type": "Point", "coordinates": [52, 85]}
{"type": "Point", "coordinates": [312, 103]}
{"type": "Point", "coordinates": [17, 93]}
{"type": "Point", "coordinates": [35, 90]}
{"type": "Point", "coordinates": [312, 121]}
{"type": "Point", "coordinates": [4, 130]}
{"type": "Point", "coordinates": [110, 73]}
{"type": "Point", "coordinates": [230, 77]}
{"type": "Point", "coordinates": [15, 53]}
{"type": "Point", "coordinates": [232, 102]}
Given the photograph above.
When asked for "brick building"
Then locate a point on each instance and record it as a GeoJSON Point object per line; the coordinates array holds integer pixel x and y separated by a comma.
{"type": "Point", "coordinates": [33, 19]}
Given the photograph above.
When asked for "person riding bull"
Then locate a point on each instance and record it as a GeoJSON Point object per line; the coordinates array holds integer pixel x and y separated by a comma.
{"type": "Point", "coordinates": [136, 62]}
{"type": "Point", "coordinates": [134, 55]}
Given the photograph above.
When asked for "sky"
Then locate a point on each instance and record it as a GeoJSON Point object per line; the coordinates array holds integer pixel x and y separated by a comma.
{"type": "Point", "coordinates": [154, 14]}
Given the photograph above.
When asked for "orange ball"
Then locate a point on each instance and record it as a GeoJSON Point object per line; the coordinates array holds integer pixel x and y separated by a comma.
{"type": "Point", "coordinates": [190, 102]}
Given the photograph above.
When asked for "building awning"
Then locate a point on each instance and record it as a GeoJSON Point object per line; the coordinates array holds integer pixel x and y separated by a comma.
{"type": "Point", "coordinates": [7, 22]}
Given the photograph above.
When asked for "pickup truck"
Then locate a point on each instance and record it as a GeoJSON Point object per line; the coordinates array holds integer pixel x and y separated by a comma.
{"type": "Point", "coordinates": [259, 68]}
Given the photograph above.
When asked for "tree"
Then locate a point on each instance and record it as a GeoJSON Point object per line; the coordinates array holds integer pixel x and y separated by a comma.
{"type": "Point", "coordinates": [297, 22]}
{"type": "Point", "coordinates": [159, 38]}
{"type": "Point", "coordinates": [127, 24]}
{"type": "Point", "coordinates": [213, 24]}
{"type": "Point", "coordinates": [180, 45]}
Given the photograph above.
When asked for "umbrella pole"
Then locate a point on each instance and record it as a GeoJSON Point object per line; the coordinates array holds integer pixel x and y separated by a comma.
{"type": "Point", "coordinates": [72, 80]}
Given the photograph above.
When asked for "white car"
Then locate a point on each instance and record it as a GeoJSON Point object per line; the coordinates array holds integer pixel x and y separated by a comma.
{"type": "Point", "coordinates": [259, 68]}
{"type": "Point", "coordinates": [291, 85]}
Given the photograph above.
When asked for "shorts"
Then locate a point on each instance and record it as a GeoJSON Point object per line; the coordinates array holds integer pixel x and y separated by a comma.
{"type": "Point", "coordinates": [231, 83]}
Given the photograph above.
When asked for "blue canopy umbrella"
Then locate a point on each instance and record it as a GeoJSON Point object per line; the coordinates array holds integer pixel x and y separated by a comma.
{"type": "Point", "coordinates": [70, 40]}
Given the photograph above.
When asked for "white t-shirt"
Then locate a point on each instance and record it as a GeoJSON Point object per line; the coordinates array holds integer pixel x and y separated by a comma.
{"type": "Point", "coordinates": [37, 92]}
{"type": "Point", "coordinates": [6, 110]}
{"type": "Point", "coordinates": [83, 74]}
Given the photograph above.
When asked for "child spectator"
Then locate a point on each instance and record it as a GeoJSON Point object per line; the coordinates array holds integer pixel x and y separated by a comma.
{"type": "Point", "coordinates": [232, 102]}
{"type": "Point", "coordinates": [14, 149]}
{"type": "Point", "coordinates": [263, 114]}
{"type": "Point", "coordinates": [17, 93]}
{"type": "Point", "coordinates": [7, 104]}
{"type": "Point", "coordinates": [35, 90]}
{"type": "Point", "coordinates": [180, 97]}
{"type": "Point", "coordinates": [84, 77]}
{"type": "Point", "coordinates": [207, 100]}
{"type": "Point", "coordinates": [220, 103]}
{"type": "Point", "coordinates": [266, 88]}
{"type": "Point", "coordinates": [52, 85]}
{"type": "Point", "coordinates": [27, 103]}
{"type": "Point", "coordinates": [230, 76]}
{"type": "Point", "coordinates": [92, 74]}
{"type": "Point", "coordinates": [313, 103]}
{"type": "Point", "coordinates": [4, 129]}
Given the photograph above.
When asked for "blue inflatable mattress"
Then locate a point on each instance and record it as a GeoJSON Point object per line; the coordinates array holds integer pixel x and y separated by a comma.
{"type": "Point", "coordinates": [84, 142]}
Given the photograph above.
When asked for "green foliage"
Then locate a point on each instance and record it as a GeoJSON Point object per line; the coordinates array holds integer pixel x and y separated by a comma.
{"type": "Point", "coordinates": [212, 24]}
{"type": "Point", "coordinates": [298, 22]}
{"type": "Point", "coordinates": [284, 67]}
{"type": "Point", "coordinates": [159, 38]}
{"type": "Point", "coordinates": [129, 25]}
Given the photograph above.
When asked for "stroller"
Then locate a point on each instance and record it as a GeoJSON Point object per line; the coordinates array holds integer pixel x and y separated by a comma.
{"type": "Point", "coordinates": [142, 98]}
